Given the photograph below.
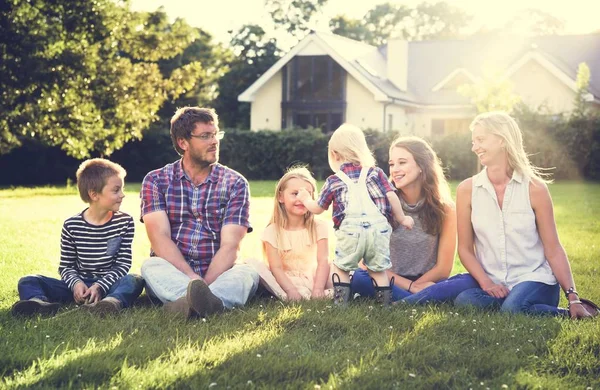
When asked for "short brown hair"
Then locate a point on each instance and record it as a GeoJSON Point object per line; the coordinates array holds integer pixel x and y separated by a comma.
{"type": "Point", "coordinates": [93, 174]}
{"type": "Point", "coordinates": [184, 122]}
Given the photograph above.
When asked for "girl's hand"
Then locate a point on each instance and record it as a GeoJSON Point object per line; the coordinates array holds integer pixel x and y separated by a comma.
{"type": "Point", "coordinates": [317, 293]}
{"type": "Point", "coordinates": [416, 287]}
{"type": "Point", "coordinates": [294, 296]}
{"type": "Point", "coordinates": [93, 294]}
{"type": "Point", "coordinates": [576, 310]}
{"type": "Point", "coordinates": [78, 292]}
{"type": "Point", "coordinates": [407, 222]}
{"type": "Point", "coordinates": [496, 290]}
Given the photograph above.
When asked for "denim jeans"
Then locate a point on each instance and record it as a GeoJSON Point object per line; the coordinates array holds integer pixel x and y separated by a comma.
{"type": "Point", "coordinates": [166, 283]}
{"type": "Point", "coordinates": [126, 289]}
{"type": "Point", "coordinates": [443, 291]}
{"type": "Point", "coordinates": [525, 297]}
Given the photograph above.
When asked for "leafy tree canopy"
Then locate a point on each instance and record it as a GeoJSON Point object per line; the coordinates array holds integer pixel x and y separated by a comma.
{"type": "Point", "coordinates": [85, 76]}
{"type": "Point", "coordinates": [253, 53]}
{"type": "Point", "coordinates": [389, 20]}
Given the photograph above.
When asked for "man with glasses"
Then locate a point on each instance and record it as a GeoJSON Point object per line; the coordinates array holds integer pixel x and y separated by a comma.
{"type": "Point", "coordinates": [196, 213]}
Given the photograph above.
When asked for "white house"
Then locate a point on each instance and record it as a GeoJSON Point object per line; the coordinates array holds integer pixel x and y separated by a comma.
{"type": "Point", "coordinates": [327, 79]}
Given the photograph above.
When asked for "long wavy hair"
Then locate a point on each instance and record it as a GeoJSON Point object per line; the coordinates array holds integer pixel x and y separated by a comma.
{"type": "Point", "coordinates": [434, 187]}
{"type": "Point", "coordinates": [505, 127]}
{"type": "Point", "coordinates": [280, 216]}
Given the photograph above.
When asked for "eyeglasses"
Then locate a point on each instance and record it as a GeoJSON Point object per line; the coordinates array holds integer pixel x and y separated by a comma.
{"type": "Point", "coordinates": [209, 136]}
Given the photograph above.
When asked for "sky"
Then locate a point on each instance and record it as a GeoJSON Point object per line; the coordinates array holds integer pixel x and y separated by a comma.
{"type": "Point", "coordinates": [219, 16]}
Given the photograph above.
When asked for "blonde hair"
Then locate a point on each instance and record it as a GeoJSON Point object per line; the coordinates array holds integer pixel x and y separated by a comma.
{"type": "Point", "coordinates": [349, 142]}
{"type": "Point", "coordinates": [505, 127]}
{"type": "Point", "coordinates": [434, 187]}
{"type": "Point", "coordinates": [93, 174]}
{"type": "Point", "coordinates": [279, 218]}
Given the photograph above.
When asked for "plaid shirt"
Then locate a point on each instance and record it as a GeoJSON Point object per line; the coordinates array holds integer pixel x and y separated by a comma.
{"type": "Point", "coordinates": [197, 213]}
{"type": "Point", "coordinates": [336, 191]}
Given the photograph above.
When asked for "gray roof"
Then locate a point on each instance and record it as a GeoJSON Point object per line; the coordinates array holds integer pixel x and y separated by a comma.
{"type": "Point", "coordinates": [429, 62]}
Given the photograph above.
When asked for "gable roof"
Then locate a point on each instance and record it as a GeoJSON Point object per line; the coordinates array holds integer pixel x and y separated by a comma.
{"type": "Point", "coordinates": [432, 63]}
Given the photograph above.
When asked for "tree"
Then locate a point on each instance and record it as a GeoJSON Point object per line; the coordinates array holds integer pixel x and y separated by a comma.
{"type": "Point", "coordinates": [296, 17]}
{"type": "Point", "coordinates": [493, 92]}
{"type": "Point", "coordinates": [85, 75]}
{"type": "Point", "coordinates": [388, 20]}
{"type": "Point", "coordinates": [252, 55]}
{"type": "Point", "coordinates": [580, 105]}
{"type": "Point", "coordinates": [534, 22]}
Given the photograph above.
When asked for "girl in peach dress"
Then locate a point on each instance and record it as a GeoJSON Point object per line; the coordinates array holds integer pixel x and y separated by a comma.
{"type": "Point", "coordinates": [295, 245]}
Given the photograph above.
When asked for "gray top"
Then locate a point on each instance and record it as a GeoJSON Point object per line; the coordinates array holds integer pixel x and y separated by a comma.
{"type": "Point", "coordinates": [413, 252]}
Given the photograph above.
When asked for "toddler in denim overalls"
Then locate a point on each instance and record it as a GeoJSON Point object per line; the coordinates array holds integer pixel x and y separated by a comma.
{"type": "Point", "coordinates": [360, 213]}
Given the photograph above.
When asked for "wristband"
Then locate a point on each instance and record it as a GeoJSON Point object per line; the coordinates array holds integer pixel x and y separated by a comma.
{"type": "Point", "coordinates": [571, 290]}
{"type": "Point", "coordinates": [410, 285]}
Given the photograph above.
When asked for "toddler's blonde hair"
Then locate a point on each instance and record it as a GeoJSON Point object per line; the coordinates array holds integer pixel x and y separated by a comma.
{"type": "Point", "coordinates": [349, 142]}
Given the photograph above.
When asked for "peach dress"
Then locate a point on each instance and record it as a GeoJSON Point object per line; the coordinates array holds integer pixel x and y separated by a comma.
{"type": "Point", "coordinates": [298, 258]}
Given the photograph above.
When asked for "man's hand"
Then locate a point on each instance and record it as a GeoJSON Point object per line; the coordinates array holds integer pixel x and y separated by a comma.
{"type": "Point", "coordinates": [78, 291]}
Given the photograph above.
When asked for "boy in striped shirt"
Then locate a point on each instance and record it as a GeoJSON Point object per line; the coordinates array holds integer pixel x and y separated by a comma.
{"type": "Point", "coordinates": [95, 248]}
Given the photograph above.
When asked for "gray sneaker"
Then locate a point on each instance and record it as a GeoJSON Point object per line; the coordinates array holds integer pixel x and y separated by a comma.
{"type": "Point", "coordinates": [201, 300]}
{"type": "Point", "coordinates": [33, 306]}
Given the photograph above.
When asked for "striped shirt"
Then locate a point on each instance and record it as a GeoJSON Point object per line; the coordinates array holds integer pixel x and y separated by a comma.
{"type": "Point", "coordinates": [197, 213]}
{"type": "Point", "coordinates": [100, 252]}
{"type": "Point", "coordinates": [334, 190]}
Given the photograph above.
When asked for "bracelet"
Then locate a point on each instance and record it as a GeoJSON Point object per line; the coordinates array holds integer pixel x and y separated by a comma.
{"type": "Point", "coordinates": [410, 285]}
{"type": "Point", "coordinates": [571, 290]}
{"type": "Point", "coordinates": [574, 302]}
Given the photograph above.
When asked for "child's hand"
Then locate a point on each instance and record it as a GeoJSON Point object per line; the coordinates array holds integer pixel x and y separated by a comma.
{"type": "Point", "coordinates": [93, 294]}
{"type": "Point", "coordinates": [294, 296]}
{"type": "Point", "coordinates": [317, 293]}
{"type": "Point", "coordinates": [407, 222]}
{"type": "Point", "coordinates": [303, 195]}
{"type": "Point", "coordinates": [78, 292]}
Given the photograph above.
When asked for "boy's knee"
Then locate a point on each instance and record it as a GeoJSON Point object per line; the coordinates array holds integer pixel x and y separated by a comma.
{"type": "Point", "coordinates": [28, 279]}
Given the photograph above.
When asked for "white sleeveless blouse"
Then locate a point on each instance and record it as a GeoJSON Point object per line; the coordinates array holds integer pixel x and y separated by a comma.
{"type": "Point", "coordinates": [507, 243]}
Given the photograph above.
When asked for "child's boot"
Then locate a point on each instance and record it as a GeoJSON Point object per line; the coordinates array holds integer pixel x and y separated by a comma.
{"type": "Point", "coordinates": [341, 291]}
{"type": "Point", "coordinates": [106, 306]}
{"type": "Point", "coordinates": [33, 306]}
{"type": "Point", "coordinates": [383, 295]}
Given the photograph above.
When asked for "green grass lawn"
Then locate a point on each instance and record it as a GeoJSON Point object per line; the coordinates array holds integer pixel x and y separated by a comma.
{"type": "Point", "coordinates": [268, 344]}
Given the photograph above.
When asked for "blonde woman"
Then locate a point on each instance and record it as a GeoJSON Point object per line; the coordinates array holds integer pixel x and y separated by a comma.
{"type": "Point", "coordinates": [363, 204]}
{"type": "Point", "coordinates": [294, 243]}
{"type": "Point", "coordinates": [507, 237]}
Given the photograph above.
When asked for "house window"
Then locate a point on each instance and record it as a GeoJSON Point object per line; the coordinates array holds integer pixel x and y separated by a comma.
{"type": "Point", "coordinates": [313, 93]}
{"type": "Point", "coordinates": [440, 127]}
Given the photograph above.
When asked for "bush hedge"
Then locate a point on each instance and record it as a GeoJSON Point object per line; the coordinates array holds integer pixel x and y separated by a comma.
{"type": "Point", "coordinates": [572, 147]}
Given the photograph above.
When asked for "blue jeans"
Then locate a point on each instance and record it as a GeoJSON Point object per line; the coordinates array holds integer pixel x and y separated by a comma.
{"type": "Point", "coordinates": [525, 297]}
{"type": "Point", "coordinates": [167, 284]}
{"type": "Point", "coordinates": [126, 289]}
{"type": "Point", "coordinates": [443, 291]}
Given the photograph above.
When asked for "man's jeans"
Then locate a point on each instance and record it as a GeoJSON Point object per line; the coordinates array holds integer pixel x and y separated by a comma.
{"type": "Point", "coordinates": [525, 297]}
{"type": "Point", "coordinates": [126, 289]}
{"type": "Point", "coordinates": [166, 283]}
{"type": "Point", "coordinates": [443, 291]}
